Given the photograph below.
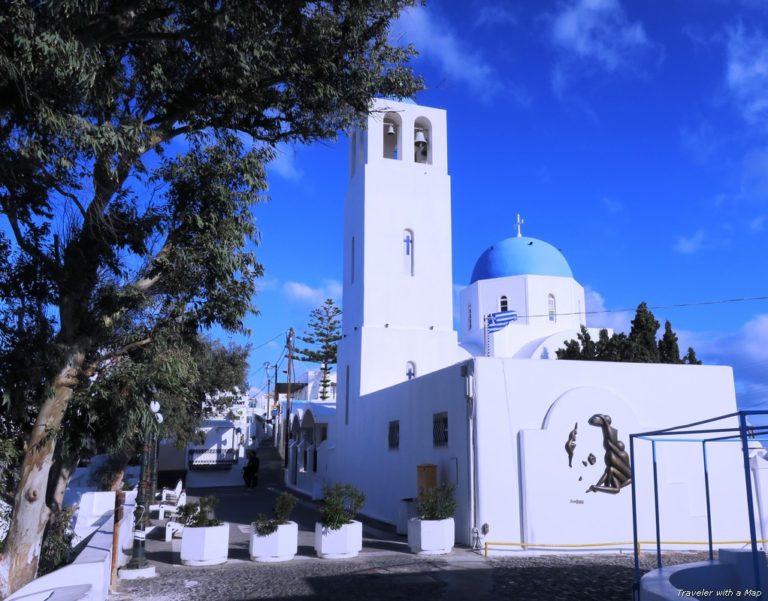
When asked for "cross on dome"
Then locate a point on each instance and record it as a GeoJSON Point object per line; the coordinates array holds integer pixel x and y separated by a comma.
{"type": "Point", "coordinates": [518, 223]}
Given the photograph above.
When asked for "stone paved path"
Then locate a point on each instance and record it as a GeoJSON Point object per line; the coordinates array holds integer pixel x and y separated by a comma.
{"type": "Point", "coordinates": [384, 570]}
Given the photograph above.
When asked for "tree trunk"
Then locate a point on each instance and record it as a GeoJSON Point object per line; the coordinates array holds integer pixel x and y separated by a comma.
{"type": "Point", "coordinates": [30, 512]}
{"type": "Point", "coordinates": [58, 480]}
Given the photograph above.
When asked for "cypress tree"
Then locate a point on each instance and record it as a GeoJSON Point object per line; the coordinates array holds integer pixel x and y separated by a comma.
{"type": "Point", "coordinates": [642, 336]}
{"type": "Point", "coordinates": [669, 351]}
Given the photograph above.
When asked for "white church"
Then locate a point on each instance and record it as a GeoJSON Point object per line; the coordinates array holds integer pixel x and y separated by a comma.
{"type": "Point", "coordinates": [536, 447]}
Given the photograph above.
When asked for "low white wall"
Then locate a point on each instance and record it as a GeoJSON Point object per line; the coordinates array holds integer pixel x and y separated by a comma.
{"type": "Point", "coordinates": [88, 576]}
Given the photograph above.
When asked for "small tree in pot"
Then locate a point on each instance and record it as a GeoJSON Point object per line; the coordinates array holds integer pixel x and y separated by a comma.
{"type": "Point", "coordinates": [275, 538]}
{"type": "Point", "coordinates": [433, 532]}
{"type": "Point", "coordinates": [204, 539]}
{"type": "Point", "coordinates": [337, 534]}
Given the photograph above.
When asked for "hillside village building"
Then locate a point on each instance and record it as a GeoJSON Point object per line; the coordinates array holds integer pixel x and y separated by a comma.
{"type": "Point", "coordinates": [537, 448]}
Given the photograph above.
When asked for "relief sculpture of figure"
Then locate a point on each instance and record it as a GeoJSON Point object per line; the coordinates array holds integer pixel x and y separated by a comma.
{"type": "Point", "coordinates": [617, 474]}
{"type": "Point", "coordinates": [570, 445]}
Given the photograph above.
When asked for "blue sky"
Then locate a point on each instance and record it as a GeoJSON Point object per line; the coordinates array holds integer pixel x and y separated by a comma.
{"type": "Point", "coordinates": [633, 135]}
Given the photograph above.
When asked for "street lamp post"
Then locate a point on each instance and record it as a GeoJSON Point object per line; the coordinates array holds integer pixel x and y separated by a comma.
{"type": "Point", "coordinates": [141, 513]}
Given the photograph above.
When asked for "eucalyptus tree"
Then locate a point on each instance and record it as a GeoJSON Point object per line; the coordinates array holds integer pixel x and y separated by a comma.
{"type": "Point", "coordinates": [133, 137]}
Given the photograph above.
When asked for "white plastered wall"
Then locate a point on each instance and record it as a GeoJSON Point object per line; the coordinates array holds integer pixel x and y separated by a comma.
{"type": "Point", "coordinates": [360, 451]}
{"type": "Point", "coordinates": [527, 493]}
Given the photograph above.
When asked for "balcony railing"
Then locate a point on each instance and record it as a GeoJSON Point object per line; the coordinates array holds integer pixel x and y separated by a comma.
{"type": "Point", "coordinates": [207, 459]}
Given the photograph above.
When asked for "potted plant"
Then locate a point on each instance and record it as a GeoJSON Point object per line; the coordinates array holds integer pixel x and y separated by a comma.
{"type": "Point", "coordinates": [433, 531]}
{"type": "Point", "coordinates": [204, 540]}
{"type": "Point", "coordinates": [276, 538]}
{"type": "Point", "coordinates": [337, 534]}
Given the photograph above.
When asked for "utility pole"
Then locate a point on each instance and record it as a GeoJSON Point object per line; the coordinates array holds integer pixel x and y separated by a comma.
{"type": "Point", "coordinates": [288, 394]}
{"type": "Point", "coordinates": [277, 405]}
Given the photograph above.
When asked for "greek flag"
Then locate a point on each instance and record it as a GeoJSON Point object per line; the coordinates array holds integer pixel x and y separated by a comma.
{"type": "Point", "coordinates": [498, 321]}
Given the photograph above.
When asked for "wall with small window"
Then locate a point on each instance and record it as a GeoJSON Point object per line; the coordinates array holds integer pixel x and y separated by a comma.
{"type": "Point", "coordinates": [394, 435]}
{"type": "Point", "coordinates": [440, 429]}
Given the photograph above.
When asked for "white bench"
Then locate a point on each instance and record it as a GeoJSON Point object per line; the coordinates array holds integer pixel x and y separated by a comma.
{"type": "Point", "coordinates": [170, 495]}
{"type": "Point", "coordinates": [169, 508]}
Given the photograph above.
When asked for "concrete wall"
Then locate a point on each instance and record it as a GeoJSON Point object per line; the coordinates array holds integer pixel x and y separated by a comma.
{"type": "Point", "coordinates": [358, 453]}
{"type": "Point", "coordinates": [88, 576]}
{"type": "Point", "coordinates": [525, 411]}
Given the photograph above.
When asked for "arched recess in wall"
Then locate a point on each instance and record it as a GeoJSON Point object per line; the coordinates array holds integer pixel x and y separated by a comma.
{"type": "Point", "coordinates": [469, 317]}
{"type": "Point", "coordinates": [410, 370]}
{"type": "Point", "coordinates": [352, 153]}
{"type": "Point", "coordinates": [393, 132]}
{"type": "Point", "coordinates": [552, 307]}
{"type": "Point", "coordinates": [503, 303]}
{"type": "Point", "coordinates": [422, 141]}
{"type": "Point", "coordinates": [409, 253]}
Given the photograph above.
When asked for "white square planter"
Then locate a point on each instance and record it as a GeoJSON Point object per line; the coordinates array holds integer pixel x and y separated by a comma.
{"type": "Point", "coordinates": [431, 537]}
{"type": "Point", "coordinates": [204, 546]}
{"type": "Point", "coordinates": [281, 545]}
{"type": "Point", "coordinates": [343, 543]}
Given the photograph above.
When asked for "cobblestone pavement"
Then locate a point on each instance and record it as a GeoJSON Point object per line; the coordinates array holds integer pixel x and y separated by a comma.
{"type": "Point", "coordinates": [384, 570]}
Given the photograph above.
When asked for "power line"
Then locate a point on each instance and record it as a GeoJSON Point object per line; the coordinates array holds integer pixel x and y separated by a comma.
{"type": "Point", "coordinates": [656, 307]}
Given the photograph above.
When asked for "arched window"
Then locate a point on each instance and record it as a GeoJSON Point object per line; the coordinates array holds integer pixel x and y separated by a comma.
{"type": "Point", "coordinates": [410, 370]}
{"type": "Point", "coordinates": [422, 141]}
{"type": "Point", "coordinates": [552, 308]}
{"type": "Point", "coordinates": [469, 317]}
{"type": "Point", "coordinates": [409, 264]}
{"type": "Point", "coordinates": [392, 136]}
{"type": "Point", "coordinates": [503, 304]}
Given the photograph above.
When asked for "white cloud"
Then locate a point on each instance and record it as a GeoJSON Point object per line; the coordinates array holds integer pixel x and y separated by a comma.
{"type": "Point", "coordinates": [613, 206]}
{"type": "Point", "coordinates": [689, 245]}
{"type": "Point", "coordinates": [598, 316]}
{"type": "Point", "coordinates": [599, 33]}
{"type": "Point", "coordinates": [700, 141]}
{"type": "Point", "coordinates": [436, 42]}
{"type": "Point", "coordinates": [747, 72]}
{"type": "Point", "coordinates": [284, 163]}
{"type": "Point", "coordinates": [758, 223]}
{"type": "Point", "coordinates": [495, 14]}
{"type": "Point", "coordinates": [311, 295]}
{"type": "Point", "coordinates": [747, 352]}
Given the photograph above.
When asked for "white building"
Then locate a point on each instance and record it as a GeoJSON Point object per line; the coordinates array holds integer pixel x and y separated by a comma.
{"type": "Point", "coordinates": [537, 449]}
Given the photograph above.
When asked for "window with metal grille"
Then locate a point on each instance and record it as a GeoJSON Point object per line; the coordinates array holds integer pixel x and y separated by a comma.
{"type": "Point", "coordinates": [394, 434]}
{"type": "Point", "coordinates": [440, 429]}
{"type": "Point", "coordinates": [503, 304]}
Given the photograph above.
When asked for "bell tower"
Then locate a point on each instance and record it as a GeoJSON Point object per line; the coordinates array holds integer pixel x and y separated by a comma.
{"type": "Point", "coordinates": [397, 299]}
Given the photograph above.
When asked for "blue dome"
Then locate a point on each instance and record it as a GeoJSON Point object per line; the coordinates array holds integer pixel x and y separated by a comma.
{"type": "Point", "coordinates": [520, 256]}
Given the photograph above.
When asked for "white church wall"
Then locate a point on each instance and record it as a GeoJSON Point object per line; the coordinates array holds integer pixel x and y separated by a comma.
{"type": "Point", "coordinates": [529, 296]}
{"type": "Point", "coordinates": [527, 491]}
{"type": "Point", "coordinates": [361, 453]}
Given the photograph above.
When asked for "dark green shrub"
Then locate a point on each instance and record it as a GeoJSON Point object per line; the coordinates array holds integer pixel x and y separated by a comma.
{"type": "Point", "coordinates": [437, 503]}
{"type": "Point", "coordinates": [57, 540]}
{"type": "Point", "coordinates": [198, 515]}
{"type": "Point", "coordinates": [284, 504]}
{"type": "Point", "coordinates": [340, 505]}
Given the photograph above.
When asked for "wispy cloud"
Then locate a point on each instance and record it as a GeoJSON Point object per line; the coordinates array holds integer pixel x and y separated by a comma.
{"type": "Point", "coordinates": [757, 224]}
{"type": "Point", "coordinates": [700, 141]}
{"type": "Point", "coordinates": [312, 295]}
{"type": "Point", "coordinates": [689, 245]}
{"type": "Point", "coordinates": [747, 72]}
{"type": "Point", "coordinates": [437, 42]}
{"type": "Point", "coordinates": [284, 164]}
{"type": "Point", "coordinates": [598, 315]}
{"type": "Point", "coordinates": [747, 352]}
{"type": "Point", "coordinates": [494, 15]}
{"type": "Point", "coordinates": [597, 33]}
{"type": "Point", "coordinates": [613, 206]}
